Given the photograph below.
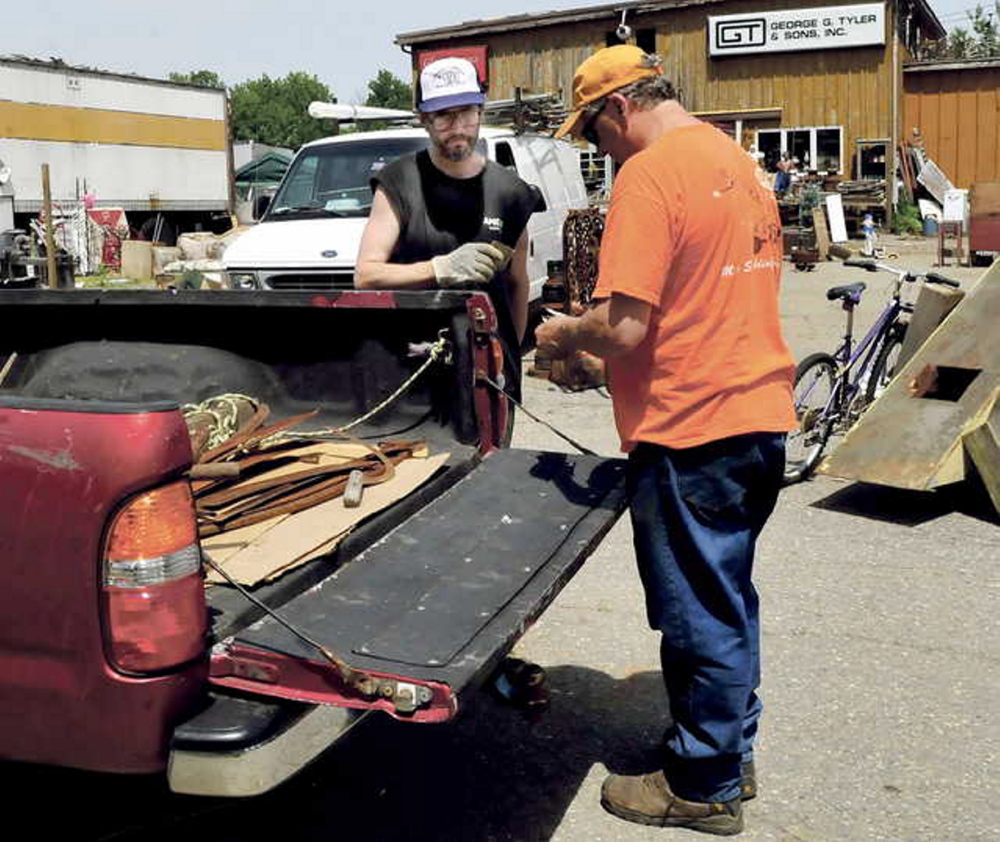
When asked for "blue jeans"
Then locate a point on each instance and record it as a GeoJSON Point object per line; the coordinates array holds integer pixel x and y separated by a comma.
{"type": "Point", "coordinates": [696, 514]}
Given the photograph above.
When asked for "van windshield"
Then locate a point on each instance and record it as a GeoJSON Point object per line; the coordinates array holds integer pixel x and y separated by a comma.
{"type": "Point", "coordinates": [333, 180]}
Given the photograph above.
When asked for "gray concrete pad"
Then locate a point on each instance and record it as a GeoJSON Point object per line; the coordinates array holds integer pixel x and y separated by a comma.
{"type": "Point", "coordinates": [880, 637]}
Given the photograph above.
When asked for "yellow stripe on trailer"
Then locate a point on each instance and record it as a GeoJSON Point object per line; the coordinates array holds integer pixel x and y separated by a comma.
{"type": "Point", "coordinates": [25, 121]}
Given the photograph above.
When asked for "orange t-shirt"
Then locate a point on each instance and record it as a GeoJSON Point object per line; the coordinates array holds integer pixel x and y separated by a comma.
{"type": "Point", "coordinates": [693, 231]}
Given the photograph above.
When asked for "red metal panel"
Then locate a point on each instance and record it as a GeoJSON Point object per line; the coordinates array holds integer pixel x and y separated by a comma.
{"type": "Point", "coordinates": [984, 233]}
{"type": "Point", "coordinates": [477, 55]}
{"type": "Point", "coordinates": [366, 299]}
{"type": "Point", "coordinates": [491, 408]}
{"type": "Point", "coordinates": [62, 474]}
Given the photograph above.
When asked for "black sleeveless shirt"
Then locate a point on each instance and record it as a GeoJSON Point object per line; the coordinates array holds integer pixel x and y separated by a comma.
{"type": "Point", "coordinates": [438, 213]}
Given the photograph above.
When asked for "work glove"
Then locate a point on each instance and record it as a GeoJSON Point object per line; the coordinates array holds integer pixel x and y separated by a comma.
{"type": "Point", "coordinates": [469, 263]}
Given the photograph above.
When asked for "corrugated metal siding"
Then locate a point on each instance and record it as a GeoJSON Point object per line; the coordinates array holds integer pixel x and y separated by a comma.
{"type": "Point", "coordinates": [850, 88]}
{"type": "Point", "coordinates": [958, 115]}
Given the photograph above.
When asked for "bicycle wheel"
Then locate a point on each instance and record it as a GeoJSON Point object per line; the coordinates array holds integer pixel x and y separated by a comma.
{"type": "Point", "coordinates": [815, 382]}
{"type": "Point", "coordinates": [886, 363]}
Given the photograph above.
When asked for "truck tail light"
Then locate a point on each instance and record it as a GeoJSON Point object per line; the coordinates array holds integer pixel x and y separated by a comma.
{"type": "Point", "coordinates": [154, 598]}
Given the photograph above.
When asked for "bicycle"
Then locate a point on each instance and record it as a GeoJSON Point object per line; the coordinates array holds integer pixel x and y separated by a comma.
{"type": "Point", "coordinates": [832, 390]}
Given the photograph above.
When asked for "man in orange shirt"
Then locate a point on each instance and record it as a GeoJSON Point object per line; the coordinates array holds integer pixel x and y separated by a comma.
{"type": "Point", "coordinates": [701, 379]}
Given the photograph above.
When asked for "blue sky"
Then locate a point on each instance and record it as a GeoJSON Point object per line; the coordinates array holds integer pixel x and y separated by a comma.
{"type": "Point", "coordinates": [343, 43]}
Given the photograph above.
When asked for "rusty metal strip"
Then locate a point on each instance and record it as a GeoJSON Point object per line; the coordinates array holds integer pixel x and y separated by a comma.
{"type": "Point", "coordinates": [281, 676]}
{"type": "Point", "coordinates": [289, 498]}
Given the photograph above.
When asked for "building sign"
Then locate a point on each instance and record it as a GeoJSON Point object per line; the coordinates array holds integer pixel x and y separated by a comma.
{"type": "Point", "coordinates": [827, 28]}
{"type": "Point", "coordinates": [477, 55]}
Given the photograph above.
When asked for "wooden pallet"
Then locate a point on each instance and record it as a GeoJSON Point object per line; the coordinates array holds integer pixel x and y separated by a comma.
{"type": "Point", "coordinates": [913, 438]}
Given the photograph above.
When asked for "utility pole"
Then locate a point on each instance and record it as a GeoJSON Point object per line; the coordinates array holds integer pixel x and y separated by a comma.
{"type": "Point", "coordinates": [50, 241]}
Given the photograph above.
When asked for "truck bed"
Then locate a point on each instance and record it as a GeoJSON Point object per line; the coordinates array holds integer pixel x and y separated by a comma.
{"type": "Point", "coordinates": [432, 592]}
{"type": "Point", "coordinates": [294, 352]}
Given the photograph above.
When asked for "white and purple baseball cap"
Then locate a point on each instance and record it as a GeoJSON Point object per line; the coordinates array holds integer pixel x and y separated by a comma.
{"type": "Point", "coordinates": [449, 83]}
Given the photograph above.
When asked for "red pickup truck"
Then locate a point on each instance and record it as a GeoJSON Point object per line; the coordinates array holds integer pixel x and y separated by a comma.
{"type": "Point", "coordinates": [115, 656]}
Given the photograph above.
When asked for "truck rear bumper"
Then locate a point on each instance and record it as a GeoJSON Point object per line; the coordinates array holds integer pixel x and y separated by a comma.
{"type": "Point", "coordinates": [240, 747]}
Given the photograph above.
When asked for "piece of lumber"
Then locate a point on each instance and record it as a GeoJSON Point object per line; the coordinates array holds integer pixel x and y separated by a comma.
{"type": "Point", "coordinates": [982, 443]}
{"type": "Point", "coordinates": [822, 235]}
{"type": "Point", "coordinates": [933, 305]}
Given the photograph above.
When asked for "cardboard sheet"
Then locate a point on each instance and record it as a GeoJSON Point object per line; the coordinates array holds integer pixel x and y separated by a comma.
{"type": "Point", "coordinates": [265, 550]}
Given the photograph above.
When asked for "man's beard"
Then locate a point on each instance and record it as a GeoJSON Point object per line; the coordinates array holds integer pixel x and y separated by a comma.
{"type": "Point", "coordinates": [457, 153]}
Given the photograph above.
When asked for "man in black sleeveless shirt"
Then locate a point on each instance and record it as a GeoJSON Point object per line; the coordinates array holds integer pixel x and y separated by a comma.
{"type": "Point", "coordinates": [437, 216]}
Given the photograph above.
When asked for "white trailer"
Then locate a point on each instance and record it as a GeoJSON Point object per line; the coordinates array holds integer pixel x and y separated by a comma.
{"type": "Point", "coordinates": [146, 145]}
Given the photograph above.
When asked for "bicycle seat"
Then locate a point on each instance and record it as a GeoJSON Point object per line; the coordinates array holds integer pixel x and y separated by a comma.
{"type": "Point", "coordinates": [847, 291]}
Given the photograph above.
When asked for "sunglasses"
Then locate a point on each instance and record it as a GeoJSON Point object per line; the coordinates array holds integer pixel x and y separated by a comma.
{"type": "Point", "coordinates": [589, 130]}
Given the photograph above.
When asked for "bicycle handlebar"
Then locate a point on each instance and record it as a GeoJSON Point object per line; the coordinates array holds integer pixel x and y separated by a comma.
{"type": "Point", "coordinates": [902, 274]}
{"type": "Point", "coordinates": [861, 264]}
{"type": "Point", "coordinates": [935, 278]}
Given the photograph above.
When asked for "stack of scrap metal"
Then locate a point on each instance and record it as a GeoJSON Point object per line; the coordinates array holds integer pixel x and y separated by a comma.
{"type": "Point", "coordinates": [571, 290]}
{"type": "Point", "coordinates": [268, 500]}
{"type": "Point", "coordinates": [527, 112]}
{"type": "Point", "coordinates": [869, 191]}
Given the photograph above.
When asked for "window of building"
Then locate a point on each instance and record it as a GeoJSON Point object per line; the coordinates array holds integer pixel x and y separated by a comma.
{"type": "Point", "coordinates": [769, 146]}
{"type": "Point", "coordinates": [828, 150]}
{"type": "Point", "coordinates": [820, 148]}
{"type": "Point", "coordinates": [871, 159]}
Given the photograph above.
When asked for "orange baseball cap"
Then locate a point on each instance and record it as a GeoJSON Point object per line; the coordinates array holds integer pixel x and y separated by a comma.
{"type": "Point", "coordinates": [601, 74]}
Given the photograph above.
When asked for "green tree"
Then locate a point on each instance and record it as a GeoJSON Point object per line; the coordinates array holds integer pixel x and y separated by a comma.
{"type": "Point", "coordinates": [985, 32]}
{"type": "Point", "coordinates": [275, 111]}
{"type": "Point", "coordinates": [204, 78]}
{"type": "Point", "coordinates": [389, 91]}
{"type": "Point", "coordinates": [980, 40]}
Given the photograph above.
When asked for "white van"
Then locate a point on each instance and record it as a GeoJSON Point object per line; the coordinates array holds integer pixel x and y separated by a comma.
{"type": "Point", "coordinates": [308, 239]}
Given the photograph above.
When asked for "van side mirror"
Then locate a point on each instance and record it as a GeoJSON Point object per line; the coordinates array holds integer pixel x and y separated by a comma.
{"type": "Point", "coordinates": [260, 205]}
{"type": "Point", "coordinates": [540, 204]}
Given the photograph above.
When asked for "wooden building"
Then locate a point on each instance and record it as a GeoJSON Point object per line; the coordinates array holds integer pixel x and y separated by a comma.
{"type": "Point", "coordinates": [954, 106]}
{"type": "Point", "coordinates": [823, 82]}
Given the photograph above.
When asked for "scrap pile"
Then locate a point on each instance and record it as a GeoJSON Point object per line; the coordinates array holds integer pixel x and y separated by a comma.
{"type": "Point", "coordinates": [925, 184]}
{"type": "Point", "coordinates": [869, 192]}
{"type": "Point", "coordinates": [527, 113]}
{"type": "Point", "coordinates": [570, 288]}
{"type": "Point", "coordinates": [196, 258]}
{"type": "Point", "coordinates": [269, 499]}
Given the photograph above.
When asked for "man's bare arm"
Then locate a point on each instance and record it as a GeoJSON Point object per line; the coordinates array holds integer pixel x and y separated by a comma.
{"type": "Point", "coordinates": [373, 270]}
{"type": "Point", "coordinates": [615, 326]}
{"type": "Point", "coordinates": [520, 286]}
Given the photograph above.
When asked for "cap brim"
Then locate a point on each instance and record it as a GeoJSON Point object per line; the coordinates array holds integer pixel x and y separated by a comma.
{"type": "Point", "coordinates": [454, 101]}
{"type": "Point", "coordinates": [571, 125]}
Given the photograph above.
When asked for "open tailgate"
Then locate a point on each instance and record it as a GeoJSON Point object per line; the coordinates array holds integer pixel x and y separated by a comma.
{"type": "Point", "coordinates": [431, 609]}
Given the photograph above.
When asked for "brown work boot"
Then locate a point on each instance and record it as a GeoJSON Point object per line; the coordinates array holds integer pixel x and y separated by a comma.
{"type": "Point", "coordinates": [748, 781]}
{"type": "Point", "coordinates": [647, 799]}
